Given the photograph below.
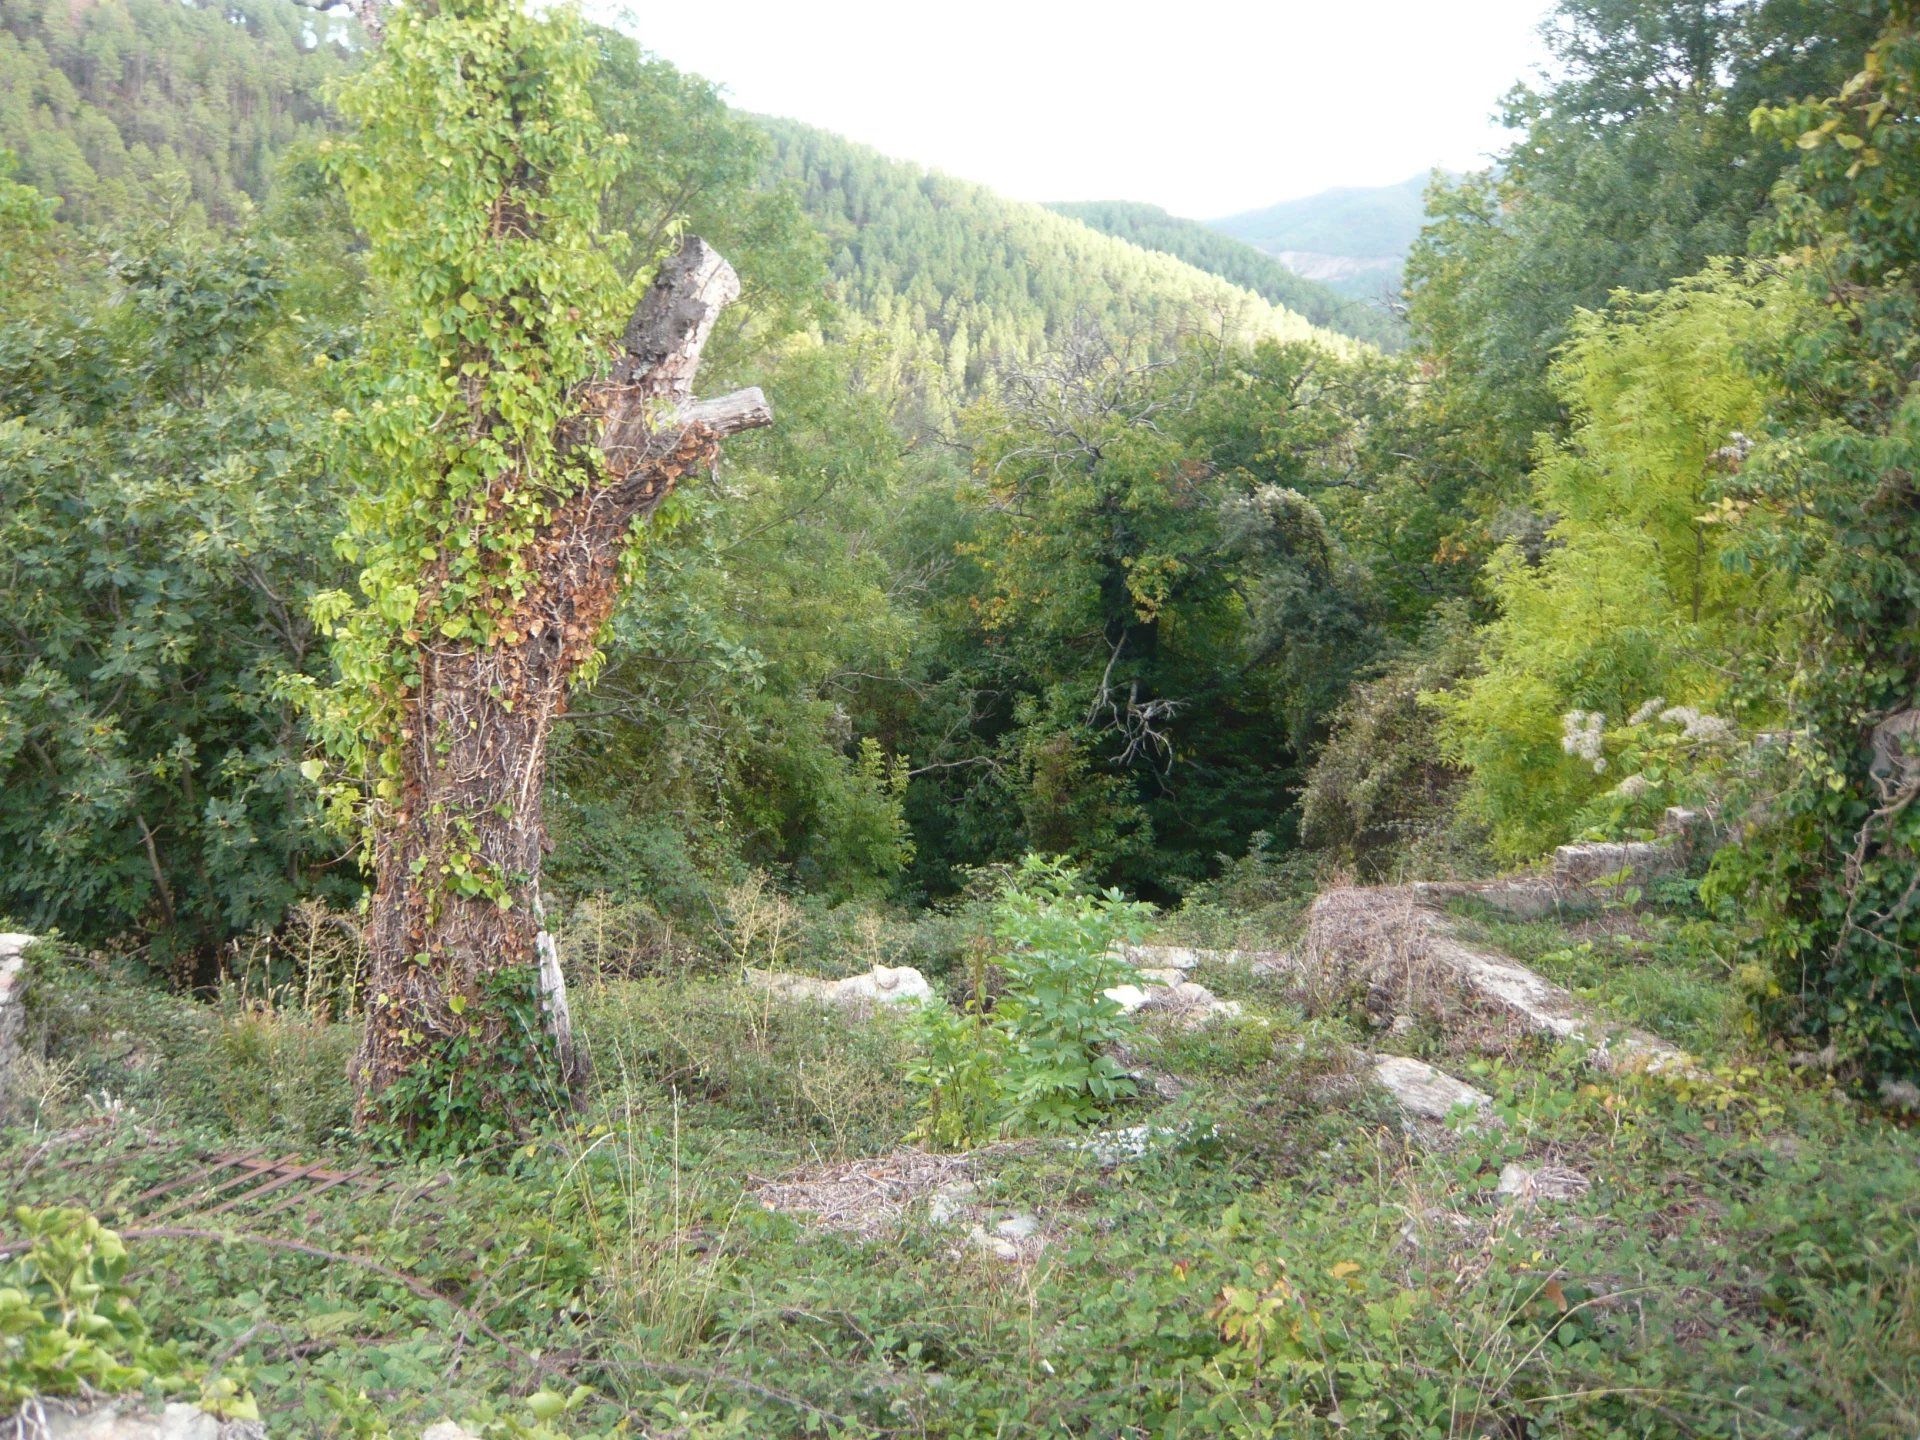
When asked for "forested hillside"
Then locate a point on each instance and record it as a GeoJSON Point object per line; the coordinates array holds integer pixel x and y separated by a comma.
{"type": "Point", "coordinates": [1369, 318]}
{"type": "Point", "coordinates": [960, 280]}
{"type": "Point", "coordinates": [120, 106]}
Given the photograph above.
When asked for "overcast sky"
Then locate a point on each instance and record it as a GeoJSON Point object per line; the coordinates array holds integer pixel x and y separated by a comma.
{"type": "Point", "coordinates": [1204, 106]}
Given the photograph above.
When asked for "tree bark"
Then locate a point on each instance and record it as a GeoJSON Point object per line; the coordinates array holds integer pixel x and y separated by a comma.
{"type": "Point", "coordinates": [456, 903]}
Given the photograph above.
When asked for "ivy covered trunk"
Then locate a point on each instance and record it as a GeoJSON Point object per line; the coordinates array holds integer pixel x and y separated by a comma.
{"type": "Point", "coordinates": [467, 1024]}
{"type": "Point", "coordinates": [510, 440]}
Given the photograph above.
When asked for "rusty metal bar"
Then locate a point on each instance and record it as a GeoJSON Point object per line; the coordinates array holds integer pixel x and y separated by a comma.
{"type": "Point", "coordinates": [284, 1177]}
{"type": "Point", "coordinates": [249, 1172]}
{"type": "Point", "coordinates": [218, 1163]}
{"type": "Point", "coordinates": [328, 1181]}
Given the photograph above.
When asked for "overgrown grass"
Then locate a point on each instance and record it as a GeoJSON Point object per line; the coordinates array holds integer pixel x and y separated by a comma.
{"type": "Point", "coordinates": [1283, 1258]}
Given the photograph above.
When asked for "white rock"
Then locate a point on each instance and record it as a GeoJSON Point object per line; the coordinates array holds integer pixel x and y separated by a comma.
{"type": "Point", "coordinates": [890, 985]}
{"type": "Point", "coordinates": [950, 1202]}
{"type": "Point", "coordinates": [133, 1419]}
{"type": "Point", "coordinates": [1160, 957]}
{"type": "Point", "coordinates": [1182, 957]}
{"type": "Point", "coordinates": [995, 1245]}
{"type": "Point", "coordinates": [447, 1430]}
{"type": "Point", "coordinates": [1388, 937]}
{"type": "Point", "coordinates": [882, 985]}
{"type": "Point", "coordinates": [13, 962]}
{"type": "Point", "coordinates": [1018, 1226]}
{"type": "Point", "coordinates": [1426, 1093]}
{"type": "Point", "coordinates": [1128, 997]}
{"type": "Point", "coordinates": [1603, 863]}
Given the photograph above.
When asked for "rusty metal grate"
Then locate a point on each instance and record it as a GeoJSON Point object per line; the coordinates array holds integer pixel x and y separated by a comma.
{"type": "Point", "coordinates": [252, 1184]}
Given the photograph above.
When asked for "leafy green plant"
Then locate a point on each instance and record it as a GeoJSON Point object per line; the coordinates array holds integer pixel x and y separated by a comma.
{"type": "Point", "coordinates": [1826, 871]}
{"type": "Point", "coordinates": [961, 1068]}
{"type": "Point", "coordinates": [1057, 946]}
{"type": "Point", "coordinates": [1038, 1060]}
{"type": "Point", "coordinates": [67, 1323]}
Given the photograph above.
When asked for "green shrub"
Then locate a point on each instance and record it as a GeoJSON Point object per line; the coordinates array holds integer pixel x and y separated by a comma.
{"type": "Point", "coordinates": [67, 1324]}
{"type": "Point", "coordinates": [1256, 900]}
{"type": "Point", "coordinates": [961, 1068]}
{"type": "Point", "coordinates": [1381, 784]}
{"type": "Point", "coordinates": [1041, 1059]}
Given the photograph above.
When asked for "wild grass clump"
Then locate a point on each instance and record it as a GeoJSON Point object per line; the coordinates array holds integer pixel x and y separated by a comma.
{"type": "Point", "coordinates": [740, 1056]}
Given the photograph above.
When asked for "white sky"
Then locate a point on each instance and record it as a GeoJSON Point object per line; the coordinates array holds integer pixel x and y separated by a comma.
{"type": "Point", "coordinates": [1203, 106]}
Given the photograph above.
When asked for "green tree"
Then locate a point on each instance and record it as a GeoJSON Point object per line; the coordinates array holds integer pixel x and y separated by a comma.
{"type": "Point", "coordinates": [1631, 167]}
{"type": "Point", "coordinates": [728, 715]}
{"type": "Point", "coordinates": [1829, 870]}
{"type": "Point", "coordinates": [1634, 599]}
{"type": "Point", "coordinates": [166, 521]}
{"type": "Point", "coordinates": [1151, 617]}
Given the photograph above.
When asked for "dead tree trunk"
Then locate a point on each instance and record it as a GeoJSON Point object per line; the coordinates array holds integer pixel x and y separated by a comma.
{"type": "Point", "coordinates": [453, 1025]}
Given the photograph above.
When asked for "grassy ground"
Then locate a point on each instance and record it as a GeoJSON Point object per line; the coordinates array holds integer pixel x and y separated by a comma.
{"type": "Point", "coordinates": [1743, 1260]}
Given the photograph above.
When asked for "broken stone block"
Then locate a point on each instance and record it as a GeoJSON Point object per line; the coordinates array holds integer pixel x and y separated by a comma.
{"type": "Point", "coordinates": [1190, 1005]}
{"type": "Point", "coordinates": [1425, 1093]}
{"type": "Point", "coordinates": [882, 985]}
{"type": "Point", "coordinates": [133, 1418]}
{"type": "Point", "coordinates": [1608, 863]}
{"type": "Point", "coordinates": [1547, 1182]}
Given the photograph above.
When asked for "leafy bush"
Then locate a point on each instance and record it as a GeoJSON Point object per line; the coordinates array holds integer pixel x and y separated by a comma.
{"type": "Point", "coordinates": [1039, 1061]}
{"type": "Point", "coordinates": [166, 522]}
{"type": "Point", "coordinates": [1380, 784]}
{"type": "Point", "coordinates": [961, 1067]}
{"type": "Point", "coordinates": [1827, 873]}
{"type": "Point", "coordinates": [67, 1324]}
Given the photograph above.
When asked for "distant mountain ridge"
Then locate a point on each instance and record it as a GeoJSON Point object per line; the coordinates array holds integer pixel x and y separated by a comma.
{"type": "Point", "coordinates": [1240, 264]}
{"type": "Point", "coordinates": [1353, 239]}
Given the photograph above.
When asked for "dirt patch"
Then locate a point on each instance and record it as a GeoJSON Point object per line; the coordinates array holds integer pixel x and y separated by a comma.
{"type": "Point", "coordinates": [868, 1197]}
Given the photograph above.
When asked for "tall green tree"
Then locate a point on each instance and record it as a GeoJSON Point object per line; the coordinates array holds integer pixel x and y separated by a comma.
{"type": "Point", "coordinates": [1634, 601]}
{"type": "Point", "coordinates": [1632, 166]}
{"type": "Point", "coordinates": [166, 521]}
{"type": "Point", "coordinates": [1829, 871]}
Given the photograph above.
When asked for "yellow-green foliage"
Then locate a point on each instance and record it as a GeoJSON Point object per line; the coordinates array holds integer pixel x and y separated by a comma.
{"type": "Point", "coordinates": [476, 172]}
{"type": "Point", "coordinates": [1635, 598]}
